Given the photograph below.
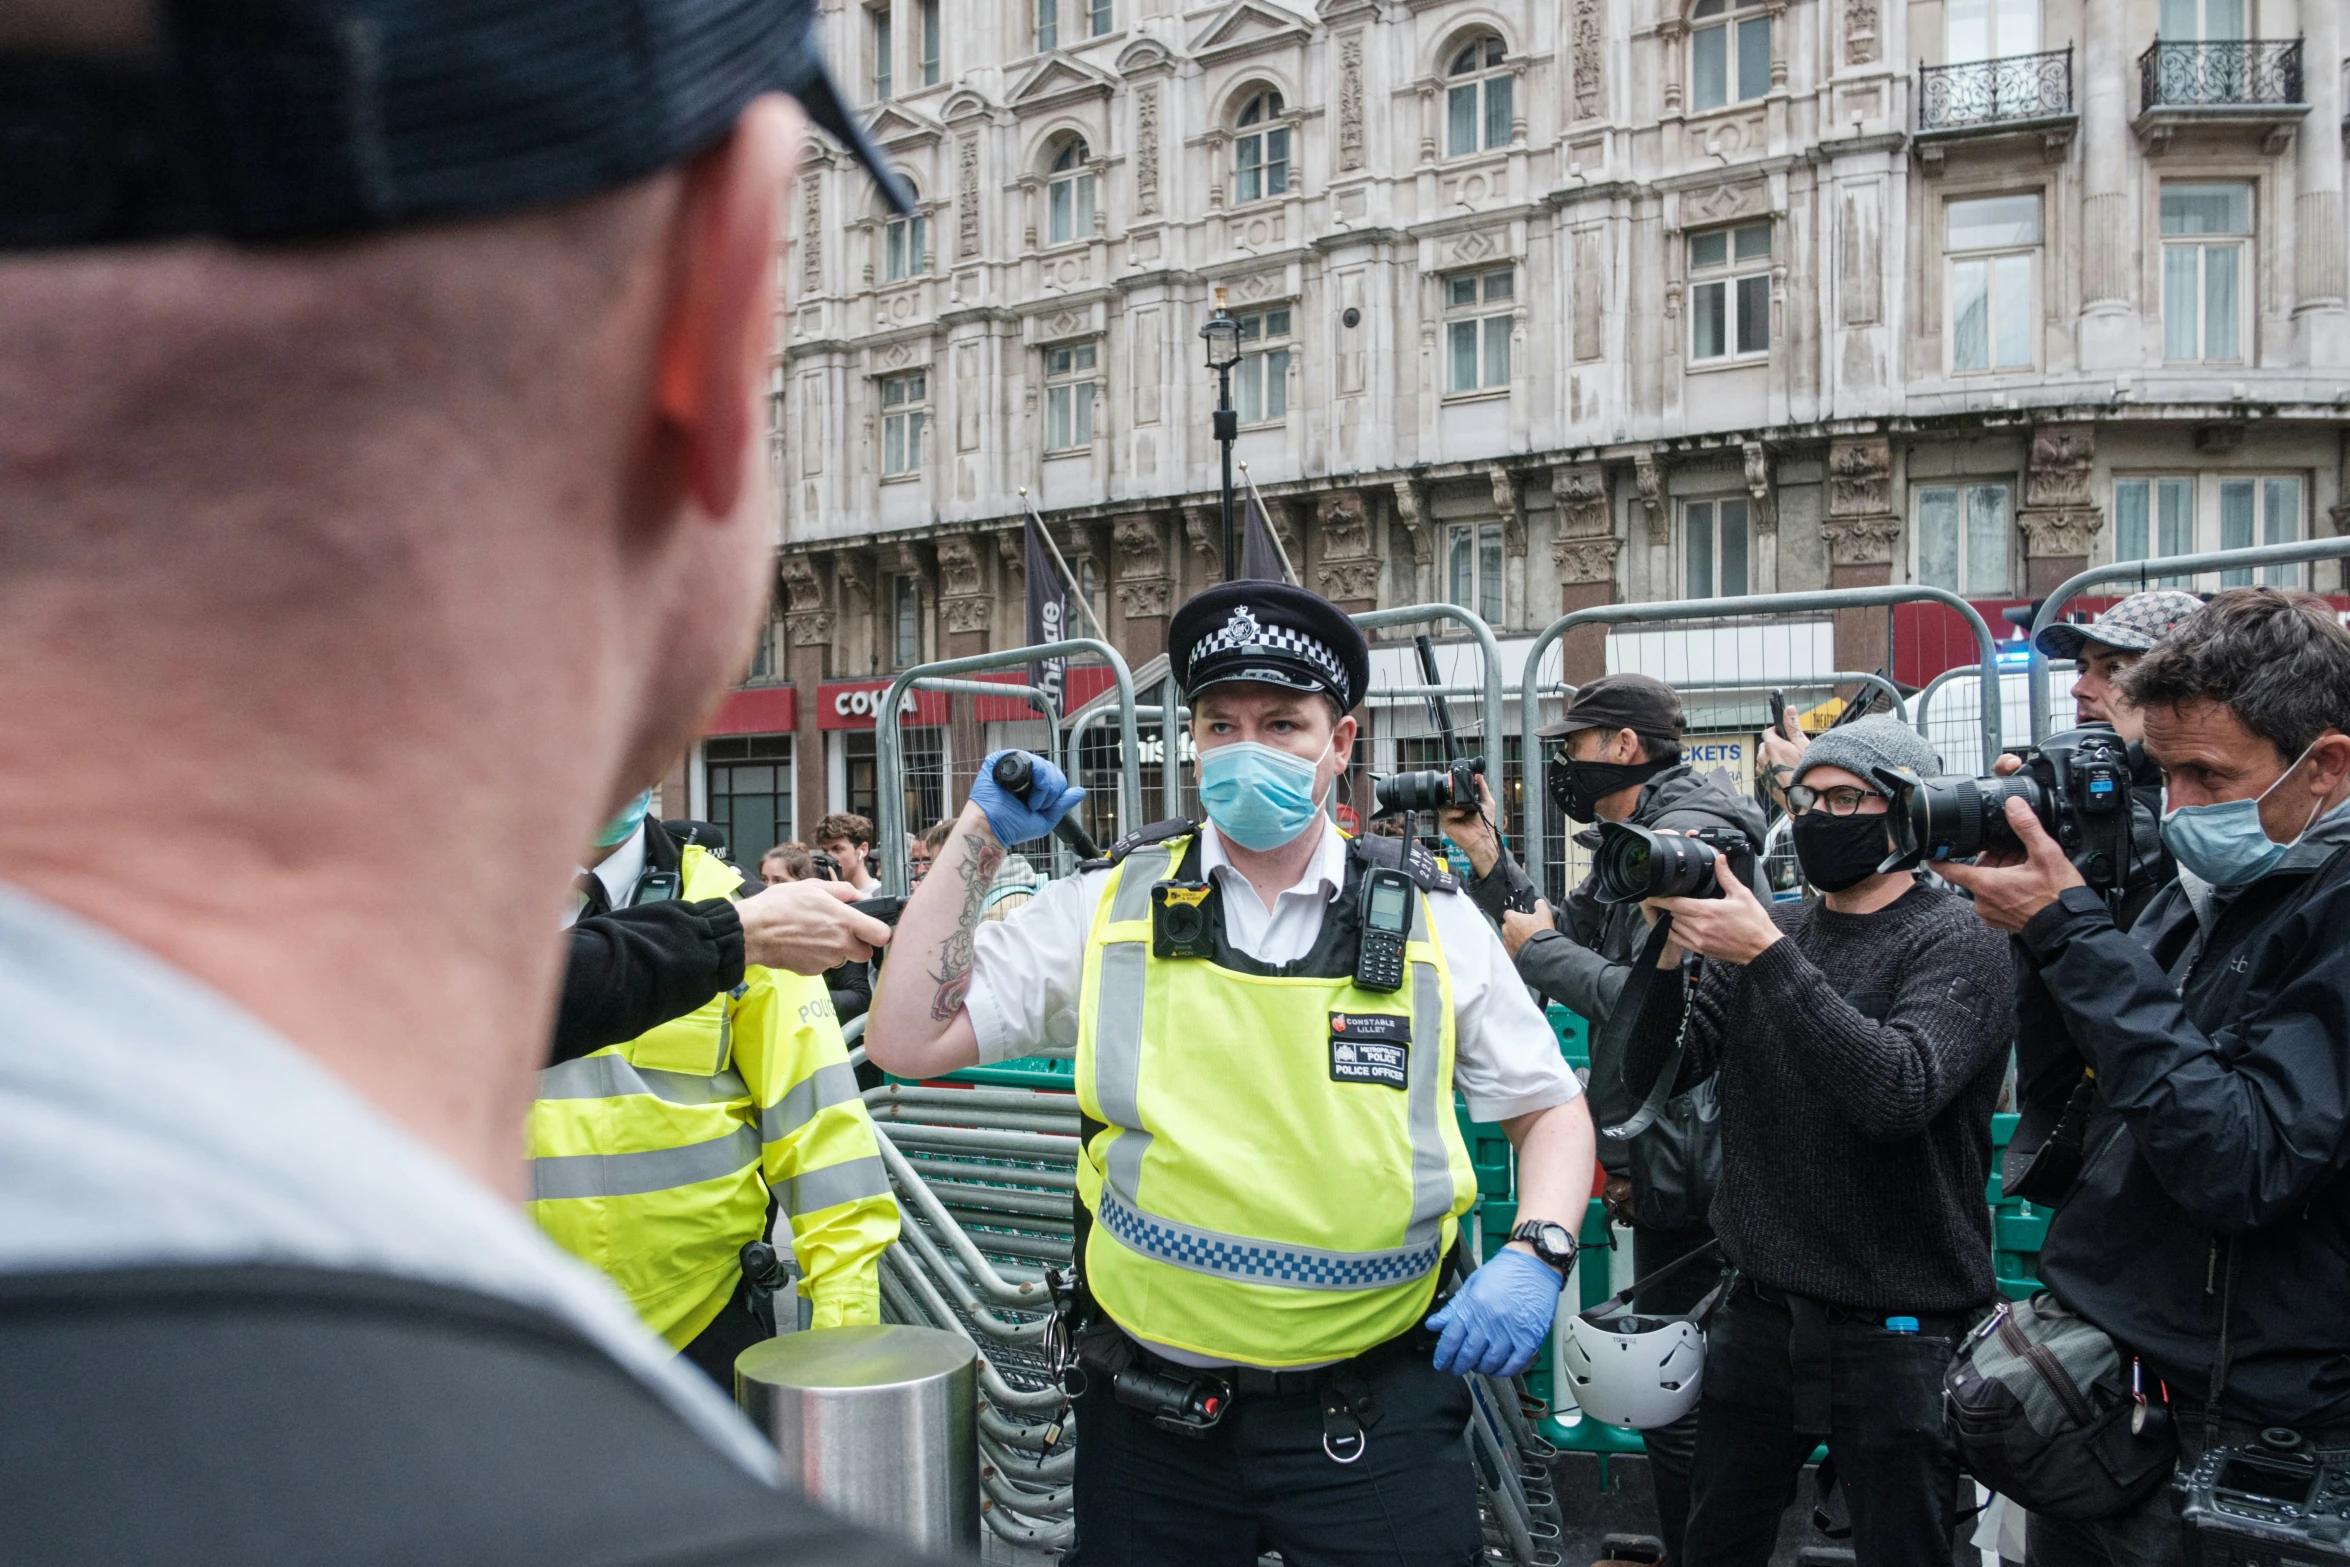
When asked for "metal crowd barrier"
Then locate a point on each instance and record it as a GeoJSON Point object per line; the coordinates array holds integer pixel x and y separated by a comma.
{"type": "Point", "coordinates": [1735, 609]}
{"type": "Point", "coordinates": [2149, 573]}
{"type": "Point", "coordinates": [888, 743]}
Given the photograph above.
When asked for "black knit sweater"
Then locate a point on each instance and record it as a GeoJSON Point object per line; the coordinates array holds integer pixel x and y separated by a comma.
{"type": "Point", "coordinates": [1860, 1059]}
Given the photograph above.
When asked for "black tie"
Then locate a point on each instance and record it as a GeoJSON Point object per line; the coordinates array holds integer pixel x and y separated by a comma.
{"type": "Point", "coordinates": [591, 886]}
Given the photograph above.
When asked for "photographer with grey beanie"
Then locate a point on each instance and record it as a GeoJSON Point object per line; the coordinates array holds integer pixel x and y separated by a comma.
{"type": "Point", "coordinates": [1859, 1040]}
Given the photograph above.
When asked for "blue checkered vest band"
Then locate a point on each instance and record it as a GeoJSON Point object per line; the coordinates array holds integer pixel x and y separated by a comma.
{"type": "Point", "coordinates": [1281, 1172]}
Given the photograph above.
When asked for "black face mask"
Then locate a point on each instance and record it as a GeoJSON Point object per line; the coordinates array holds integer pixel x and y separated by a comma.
{"type": "Point", "coordinates": [1837, 852]}
{"type": "Point", "coordinates": [1578, 787]}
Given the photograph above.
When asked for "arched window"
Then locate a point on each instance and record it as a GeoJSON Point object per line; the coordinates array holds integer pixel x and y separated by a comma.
{"type": "Point", "coordinates": [1729, 53]}
{"type": "Point", "coordinates": [1477, 105]}
{"type": "Point", "coordinates": [905, 244]}
{"type": "Point", "coordinates": [1260, 154]}
{"type": "Point", "coordinates": [1068, 194]}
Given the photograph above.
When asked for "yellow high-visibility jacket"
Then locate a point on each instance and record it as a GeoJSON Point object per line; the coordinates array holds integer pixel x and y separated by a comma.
{"type": "Point", "coordinates": [653, 1160]}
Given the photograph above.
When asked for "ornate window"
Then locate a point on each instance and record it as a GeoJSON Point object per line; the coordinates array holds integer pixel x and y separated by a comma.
{"type": "Point", "coordinates": [2155, 517]}
{"type": "Point", "coordinates": [1478, 308]}
{"type": "Point", "coordinates": [905, 245]}
{"type": "Point", "coordinates": [905, 421]}
{"type": "Point", "coordinates": [1068, 396]}
{"type": "Point", "coordinates": [1477, 105]}
{"type": "Point", "coordinates": [1989, 29]}
{"type": "Point", "coordinates": [1729, 53]}
{"type": "Point", "coordinates": [1963, 538]}
{"type": "Point", "coordinates": [1730, 292]}
{"type": "Point", "coordinates": [1084, 18]}
{"type": "Point", "coordinates": [1260, 382]}
{"type": "Point", "coordinates": [877, 23]}
{"type": "Point", "coordinates": [1473, 575]}
{"type": "Point", "coordinates": [2206, 230]}
{"type": "Point", "coordinates": [905, 622]}
{"type": "Point", "coordinates": [1068, 194]}
{"type": "Point", "coordinates": [1994, 248]}
{"type": "Point", "coordinates": [1260, 154]}
{"type": "Point", "coordinates": [927, 10]}
{"type": "Point", "coordinates": [1714, 536]}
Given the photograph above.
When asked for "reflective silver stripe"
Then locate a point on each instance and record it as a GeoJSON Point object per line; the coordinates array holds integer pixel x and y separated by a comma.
{"type": "Point", "coordinates": [1238, 1256]}
{"type": "Point", "coordinates": [634, 1174]}
{"type": "Point", "coordinates": [819, 1090]}
{"type": "Point", "coordinates": [1117, 1059]}
{"type": "Point", "coordinates": [1432, 1193]}
{"type": "Point", "coordinates": [848, 1181]}
{"type": "Point", "coordinates": [1137, 873]}
{"type": "Point", "coordinates": [616, 1077]}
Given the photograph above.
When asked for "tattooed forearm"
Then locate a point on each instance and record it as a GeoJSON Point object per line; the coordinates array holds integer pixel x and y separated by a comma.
{"type": "Point", "coordinates": [976, 866]}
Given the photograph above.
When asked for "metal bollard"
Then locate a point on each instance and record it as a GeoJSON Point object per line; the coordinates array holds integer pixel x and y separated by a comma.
{"type": "Point", "coordinates": [878, 1424]}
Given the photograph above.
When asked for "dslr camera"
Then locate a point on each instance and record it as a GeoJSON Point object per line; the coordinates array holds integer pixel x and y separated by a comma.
{"type": "Point", "coordinates": [2265, 1503]}
{"type": "Point", "coordinates": [2077, 783]}
{"type": "Point", "coordinates": [1634, 863]}
{"type": "Point", "coordinates": [1452, 787]}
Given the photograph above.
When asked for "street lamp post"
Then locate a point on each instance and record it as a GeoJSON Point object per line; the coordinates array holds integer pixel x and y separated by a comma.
{"type": "Point", "coordinates": [1222, 335]}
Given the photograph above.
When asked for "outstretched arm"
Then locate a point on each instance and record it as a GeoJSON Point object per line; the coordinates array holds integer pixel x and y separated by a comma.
{"type": "Point", "coordinates": [919, 1027]}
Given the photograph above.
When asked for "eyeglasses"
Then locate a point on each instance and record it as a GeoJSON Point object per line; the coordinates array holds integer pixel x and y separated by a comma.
{"type": "Point", "coordinates": [1844, 800]}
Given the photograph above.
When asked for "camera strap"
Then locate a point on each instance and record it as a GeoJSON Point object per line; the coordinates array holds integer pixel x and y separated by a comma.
{"type": "Point", "coordinates": [1616, 1033]}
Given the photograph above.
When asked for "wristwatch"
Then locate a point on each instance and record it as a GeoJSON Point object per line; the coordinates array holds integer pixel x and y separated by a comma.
{"type": "Point", "coordinates": [1553, 1243]}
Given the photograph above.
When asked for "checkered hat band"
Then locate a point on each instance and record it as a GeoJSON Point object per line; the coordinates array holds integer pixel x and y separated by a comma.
{"type": "Point", "coordinates": [1243, 633]}
{"type": "Point", "coordinates": [1262, 1262]}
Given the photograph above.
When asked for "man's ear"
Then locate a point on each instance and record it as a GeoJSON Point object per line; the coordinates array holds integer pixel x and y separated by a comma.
{"type": "Point", "coordinates": [1627, 748]}
{"type": "Point", "coordinates": [714, 332]}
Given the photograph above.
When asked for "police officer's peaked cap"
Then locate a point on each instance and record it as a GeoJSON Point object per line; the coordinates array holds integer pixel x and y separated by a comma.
{"type": "Point", "coordinates": [276, 120]}
{"type": "Point", "coordinates": [1270, 633]}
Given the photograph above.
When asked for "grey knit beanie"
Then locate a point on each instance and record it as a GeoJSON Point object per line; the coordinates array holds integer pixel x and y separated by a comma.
{"type": "Point", "coordinates": [1866, 744]}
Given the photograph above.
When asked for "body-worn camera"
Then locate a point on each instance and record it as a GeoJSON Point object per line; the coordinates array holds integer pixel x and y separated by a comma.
{"type": "Point", "coordinates": [1452, 787]}
{"type": "Point", "coordinates": [2268, 1503]}
{"type": "Point", "coordinates": [2077, 783]}
{"type": "Point", "coordinates": [1179, 919]}
{"type": "Point", "coordinates": [1635, 863]}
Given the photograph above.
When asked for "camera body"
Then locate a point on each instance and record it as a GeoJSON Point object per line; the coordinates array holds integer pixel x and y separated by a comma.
{"type": "Point", "coordinates": [2266, 1503]}
{"type": "Point", "coordinates": [1452, 787]}
{"type": "Point", "coordinates": [2077, 783]}
{"type": "Point", "coordinates": [1633, 863]}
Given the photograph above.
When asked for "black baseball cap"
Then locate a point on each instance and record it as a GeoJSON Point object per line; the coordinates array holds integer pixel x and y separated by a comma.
{"type": "Point", "coordinates": [1270, 633]}
{"type": "Point", "coordinates": [264, 121]}
{"type": "Point", "coordinates": [1641, 703]}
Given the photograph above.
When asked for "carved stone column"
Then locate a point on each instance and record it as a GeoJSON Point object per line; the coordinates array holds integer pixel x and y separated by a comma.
{"type": "Point", "coordinates": [965, 611]}
{"type": "Point", "coordinates": [808, 625]}
{"type": "Point", "coordinates": [1347, 564]}
{"type": "Point", "coordinates": [1584, 552]}
{"type": "Point", "coordinates": [1508, 503]}
{"type": "Point", "coordinates": [1862, 530]}
{"type": "Point", "coordinates": [1146, 590]}
{"type": "Point", "coordinates": [1204, 528]}
{"type": "Point", "coordinates": [1763, 511]}
{"type": "Point", "coordinates": [1411, 514]}
{"type": "Point", "coordinates": [2059, 516]}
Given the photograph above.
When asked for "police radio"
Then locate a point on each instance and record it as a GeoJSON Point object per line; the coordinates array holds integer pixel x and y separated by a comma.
{"type": "Point", "coordinates": [1386, 925]}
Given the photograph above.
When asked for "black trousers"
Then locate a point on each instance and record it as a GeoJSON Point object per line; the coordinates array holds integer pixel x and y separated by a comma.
{"type": "Point", "coordinates": [1260, 1481]}
{"type": "Point", "coordinates": [1886, 1431]}
{"type": "Point", "coordinates": [736, 1328]}
{"type": "Point", "coordinates": [1671, 1449]}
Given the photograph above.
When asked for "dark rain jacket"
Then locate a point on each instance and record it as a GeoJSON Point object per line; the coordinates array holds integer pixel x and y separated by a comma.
{"type": "Point", "coordinates": [1582, 964]}
{"type": "Point", "coordinates": [2214, 1162]}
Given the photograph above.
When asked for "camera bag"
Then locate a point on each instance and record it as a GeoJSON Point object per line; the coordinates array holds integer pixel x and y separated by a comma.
{"type": "Point", "coordinates": [1674, 1139]}
{"type": "Point", "coordinates": [2040, 1411]}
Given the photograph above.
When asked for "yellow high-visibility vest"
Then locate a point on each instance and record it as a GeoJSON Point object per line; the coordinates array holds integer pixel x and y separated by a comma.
{"type": "Point", "coordinates": [653, 1160]}
{"type": "Point", "coordinates": [1276, 1183]}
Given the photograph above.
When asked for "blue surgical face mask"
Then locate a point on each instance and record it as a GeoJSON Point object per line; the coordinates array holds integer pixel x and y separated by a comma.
{"type": "Point", "coordinates": [631, 817]}
{"type": "Point", "coordinates": [2225, 843]}
{"type": "Point", "coordinates": [1258, 797]}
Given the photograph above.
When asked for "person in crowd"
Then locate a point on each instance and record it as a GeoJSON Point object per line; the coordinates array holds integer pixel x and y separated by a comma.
{"type": "Point", "coordinates": [849, 983]}
{"type": "Point", "coordinates": [1277, 1178]}
{"type": "Point", "coordinates": [787, 862]}
{"type": "Point", "coordinates": [2212, 1040]}
{"type": "Point", "coordinates": [920, 851]}
{"type": "Point", "coordinates": [743, 1101]}
{"type": "Point", "coordinates": [849, 839]}
{"type": "Point", "coordinates": [1857, 1041]}
{"type": "Point", "coordinates": [396, 495]}
{"type": "Point", "coordinates": [1619, 760]}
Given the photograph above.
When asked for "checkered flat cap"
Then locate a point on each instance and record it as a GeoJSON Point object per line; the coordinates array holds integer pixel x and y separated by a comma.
{"type": "Point", "coordinates": [2133, 625]}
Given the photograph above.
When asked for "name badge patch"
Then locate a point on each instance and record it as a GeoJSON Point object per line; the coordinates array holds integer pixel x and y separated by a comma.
{"type": "Point", "coordinates": [1369, 1048]}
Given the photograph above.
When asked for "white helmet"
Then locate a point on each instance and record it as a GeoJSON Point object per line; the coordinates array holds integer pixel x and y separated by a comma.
{"type": "Point", "coordinates": [1627, 1370]}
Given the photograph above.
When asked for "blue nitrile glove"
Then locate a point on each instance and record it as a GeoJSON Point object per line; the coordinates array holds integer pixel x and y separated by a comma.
{"type": "Point", "coordinates": [1050, 797]}
{"type": "Point", "coordinates": [1496, 1321]}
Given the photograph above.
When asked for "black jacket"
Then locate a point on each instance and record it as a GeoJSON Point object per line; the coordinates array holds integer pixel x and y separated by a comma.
{"type": "Point", "coordinates": [1582, 965]}
{"type": "Point", "coordinates": [633, 969]}
{"type": "Point", "coordinates": [2221, 1131]}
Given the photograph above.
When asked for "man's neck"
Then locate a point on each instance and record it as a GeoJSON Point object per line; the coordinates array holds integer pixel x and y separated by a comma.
{"type": "Point", "coordinates": [1272, 872]}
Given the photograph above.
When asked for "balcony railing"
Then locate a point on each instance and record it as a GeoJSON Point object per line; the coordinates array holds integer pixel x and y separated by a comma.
{"type": "Point", "coordinates": [2017, 87]}
{"type": "Point", "coordinates": [2220, 73]}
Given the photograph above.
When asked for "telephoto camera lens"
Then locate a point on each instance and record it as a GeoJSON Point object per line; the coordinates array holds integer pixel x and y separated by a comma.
{"type": "Point", "coordinates": [1452, 788]}
{"type": "Point", "coordinates": [1634, 863]}
{"type": "Point", "coordinates": [1959, 818]}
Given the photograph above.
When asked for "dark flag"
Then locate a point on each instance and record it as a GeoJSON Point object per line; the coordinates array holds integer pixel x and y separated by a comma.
{"type": "Point", "coordinates": [1260, 557]}
{"type": "Point", "coordinates": [1048, 611]}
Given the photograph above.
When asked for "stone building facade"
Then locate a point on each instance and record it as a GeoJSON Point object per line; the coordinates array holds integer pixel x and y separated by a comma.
{"type": "Point", "coordinates": [1547, 303]}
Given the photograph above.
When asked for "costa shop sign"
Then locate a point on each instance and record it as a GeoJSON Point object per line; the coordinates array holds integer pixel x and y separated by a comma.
{"type": "Point", "coordinates": [851, 704]}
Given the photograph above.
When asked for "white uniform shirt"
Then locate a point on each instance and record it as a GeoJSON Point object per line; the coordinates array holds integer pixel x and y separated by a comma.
{"type": "Point", "coordinates": [1025, 972]}
{"type": "Point", "coordinates": [618, 871]}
